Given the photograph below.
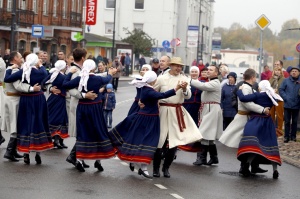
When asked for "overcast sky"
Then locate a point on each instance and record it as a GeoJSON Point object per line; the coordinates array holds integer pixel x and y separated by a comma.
{"type": "Point", "coordinates": [246, 12]}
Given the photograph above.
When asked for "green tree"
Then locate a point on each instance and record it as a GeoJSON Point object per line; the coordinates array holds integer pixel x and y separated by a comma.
{"type": "Point", "coordinates": [141, 41]}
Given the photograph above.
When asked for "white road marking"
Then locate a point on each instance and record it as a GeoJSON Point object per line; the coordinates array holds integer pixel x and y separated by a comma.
{"type": "Point", "coordinates": [176, 196]}
{"type": "Point", "coordinates": [160, 186]}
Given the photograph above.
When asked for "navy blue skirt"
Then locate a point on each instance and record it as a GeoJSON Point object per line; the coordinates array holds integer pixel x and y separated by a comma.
{"type": "Point", "coordinates": [92, 140]}
{"type": "Point", "coordinates": [136, 137]}
{"type": "Point", "coordinates": [58, 117]}
{"type": "Point", "coordinates": [33, 129]}
{"type": "Point", "coordinates": [193, 109]}
{"type": "Point", "coordinates": [260, 138]}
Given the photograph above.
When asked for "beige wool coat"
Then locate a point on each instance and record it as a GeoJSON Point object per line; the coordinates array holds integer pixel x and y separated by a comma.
{"type": "Point", "coordinates": [232, 135]}
{"type": "Point", "coordinates": [211, 117]}
{"type": "Point", "coordinates": [168, 120]}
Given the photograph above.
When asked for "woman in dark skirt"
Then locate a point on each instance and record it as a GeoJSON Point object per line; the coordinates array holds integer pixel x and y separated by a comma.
{"type": "Point", "coordinates": [58, 117]}
{"type": "Point", "coordinates": [92, 142]}
{"type": "Point", "coordinates": [33, 129]}
{"type": "Point", "coordinates": [135, 105]}
{"type": "Point", "coordinates": [136, 137]}
{"type": "Point", "coordinates": [259, 141]}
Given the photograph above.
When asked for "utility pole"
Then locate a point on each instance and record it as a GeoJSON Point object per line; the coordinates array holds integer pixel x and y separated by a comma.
{"type": "Point", "coordinates": [114, 34]}
{"type": "Point", "coordinates": [13, 25]}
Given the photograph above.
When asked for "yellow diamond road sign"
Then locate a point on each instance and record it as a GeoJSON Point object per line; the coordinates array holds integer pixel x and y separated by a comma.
{"type": "Point", "coordinates": [263, 22]}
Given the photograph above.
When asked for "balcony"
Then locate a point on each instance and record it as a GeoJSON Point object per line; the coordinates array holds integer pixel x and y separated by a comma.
{"type": "Point", "coordinates": [24, 18]}
{"type": "Point", "coordinates": [71, 19]}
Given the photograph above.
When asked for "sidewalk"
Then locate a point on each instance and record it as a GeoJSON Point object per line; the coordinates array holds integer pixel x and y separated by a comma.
{"type": "Point", "coordinates": [130, 77]}
{"type": "Point", "coordinates": [290, 152]}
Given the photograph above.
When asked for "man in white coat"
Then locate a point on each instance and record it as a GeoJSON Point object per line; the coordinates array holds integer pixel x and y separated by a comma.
{"type": "Point", "coordinates": [211, 119]}
{"type": "Point", "coordinates": [233, 133]}
{"type": "Point", "coordinates": [176, 125]}
{"type": "Point", "coordinates": [11, 106]}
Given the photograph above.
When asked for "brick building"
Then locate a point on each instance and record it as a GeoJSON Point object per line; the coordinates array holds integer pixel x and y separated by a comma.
{"type": "Point", "coordinates": [59, 17]}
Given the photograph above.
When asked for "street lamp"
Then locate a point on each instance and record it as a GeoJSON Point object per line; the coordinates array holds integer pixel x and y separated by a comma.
{"type": "Point", "coordinates": [206, 27]}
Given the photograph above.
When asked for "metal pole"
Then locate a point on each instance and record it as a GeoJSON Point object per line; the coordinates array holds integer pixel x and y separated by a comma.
{"type": "Point", "coordinates": [13, 25]}
{"type": "Point", "coordinates": [83, 23]}
{"type": "Point", "coordinates": [198, 42]}
{"type": "Point", "coordinates": [114, 34]}
{"type": "Point", "coordinates": [202, 43]}
{"type": "Point", "coordinates": [260, 55]}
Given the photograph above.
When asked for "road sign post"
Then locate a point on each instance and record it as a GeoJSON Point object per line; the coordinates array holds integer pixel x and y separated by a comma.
{"type": "Point", "coordinates": [262, 22]}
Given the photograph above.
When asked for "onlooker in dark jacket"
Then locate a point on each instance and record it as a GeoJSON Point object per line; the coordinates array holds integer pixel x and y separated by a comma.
{"type": "Point", "coordinates": [109, 104]}
{"type": "Point", "coordinates": [229, 111]}
{"type": "Point", "coordinates": [289, 90]}
{"type": "Point", "coordinates": [142, 61]}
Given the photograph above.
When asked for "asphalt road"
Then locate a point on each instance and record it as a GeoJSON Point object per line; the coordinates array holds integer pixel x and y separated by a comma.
{"type": "Point", "coordinates": [56, 178]}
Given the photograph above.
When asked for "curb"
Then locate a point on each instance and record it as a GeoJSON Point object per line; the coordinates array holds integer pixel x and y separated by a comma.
{"type": "Point", "coordinates": [291, 161]}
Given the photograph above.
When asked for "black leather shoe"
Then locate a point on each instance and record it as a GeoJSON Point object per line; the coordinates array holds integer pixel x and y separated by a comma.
{"type": "Point", "coordinates": [131, 166]}
{"type": "Point", "coordinates": [71, 160]}
{"type": "Point", "coordinates": [63, 145]}
{"type": "Point", "coordinates": [156, 172]}
{"type": "Point", "coordinates": [85, 165]}
{"type": "Point", "coordinates": [17, 155]}
{"type": "Point", "coordinates": [286, 140]}
{"type": "Point", "coordinates": [79, 166]}
{"type": "Point", "coordinates": [294, 139]}
{"type": "Point", "coordinates": [275, 174]}
{"type": "Point", "coordinates": [2, 140]}
{"type": "Point", "coordinates": [57, 145]}
{"type": "Point", "coordinates": [9, 155]}
{"type": "Point", "coordinates": [141, 172]}
{"type": "Point", "coordinates": [258, 170]}
{"type": "Point", "coordinates": [38, 159]}
{"type": "Point", "coordinates": [166, 172]}
{"type": "Point", "coordinates": [26, 158]}
{"type": "Point", "coordinates": [244, 170]}
{"type": "Point", "coordinates": [98, 166]}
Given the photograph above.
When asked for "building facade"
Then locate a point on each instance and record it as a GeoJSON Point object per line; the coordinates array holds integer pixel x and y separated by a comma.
{"type": "Point", "coordinates": [165, 20]}
{"type": "Point", "coordinates": [59, 18]}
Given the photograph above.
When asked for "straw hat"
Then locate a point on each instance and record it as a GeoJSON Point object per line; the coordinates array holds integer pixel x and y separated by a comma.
{"type": "Point", "coordinates": [177, 61]}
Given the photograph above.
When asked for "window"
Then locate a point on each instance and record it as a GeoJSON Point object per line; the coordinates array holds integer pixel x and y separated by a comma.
{"type": "Point", "coordinates": [109, 27]}
{"type": "Point", "coordinates": [54, 7]}
{"type": "Point", "coordinates": [1, 3]}
{"type": "Point", "coordinates": [138, 26]}
{"type": "Point", "coordinates": [9, 5]}
{"type": "Point", "coordinates": [45, 7]}
{"type": "Point", "coordinates": [65, 7]}
{"type": "Point", "coordinates": [22, 46]}
{"type": "Point", "coordinates": [110, 3]}
{"type": "Point", "coordinates": [34, 6]}
{"type": "Point", "coordinates": [139, 4]}
{"type": "Point", "coordinates": [73, 8]}
{"type": "Point", "coordinates": [33, 45]}
{"type": "Point", "coordinates": [79, 9]}
{"type": "Point", "coordinates": [22, 5]}
{"type": "Point", "coordinates": [63, 48]}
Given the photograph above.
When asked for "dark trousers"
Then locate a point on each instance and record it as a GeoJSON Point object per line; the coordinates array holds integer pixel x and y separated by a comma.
{"type": "Point", "coordinates": [115, 82]}
{"type": "Point", "coordinates": [169, 156]}
{"type": "Point", "coordinates": [108, 117]}
{"type": "Point", "coordinates": [290, 129]}
{"type": "Point", "coordinates": [127, 70]}
{"type": "Point", "coordinates": [226, 122]}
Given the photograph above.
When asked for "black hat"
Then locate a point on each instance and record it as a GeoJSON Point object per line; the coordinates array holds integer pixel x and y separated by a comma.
{"type": "Point", "coordinates": [155, 60]}
{"type": "Point", "coordinates": [232, 74]}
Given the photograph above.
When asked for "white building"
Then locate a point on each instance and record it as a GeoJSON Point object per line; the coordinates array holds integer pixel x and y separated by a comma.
{"type": "Point", "coordinates": [162, 20]}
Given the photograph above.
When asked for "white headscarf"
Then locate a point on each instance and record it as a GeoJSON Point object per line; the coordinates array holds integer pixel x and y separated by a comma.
{"type": "Point", "coordinates": [265, 86]}
{"type": "Point", "coordinates": [31, 60]}
{"type": "Point", "coordinates": [88, 65]}
{"type": "Point", "coordinates": [149, 77]}
{"type": "Point", "coordinates": [194, 67]}
{"type": "Point", "coordinates": [147, 66]}
{"type": "Point", "coordinates": [59, 65]}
